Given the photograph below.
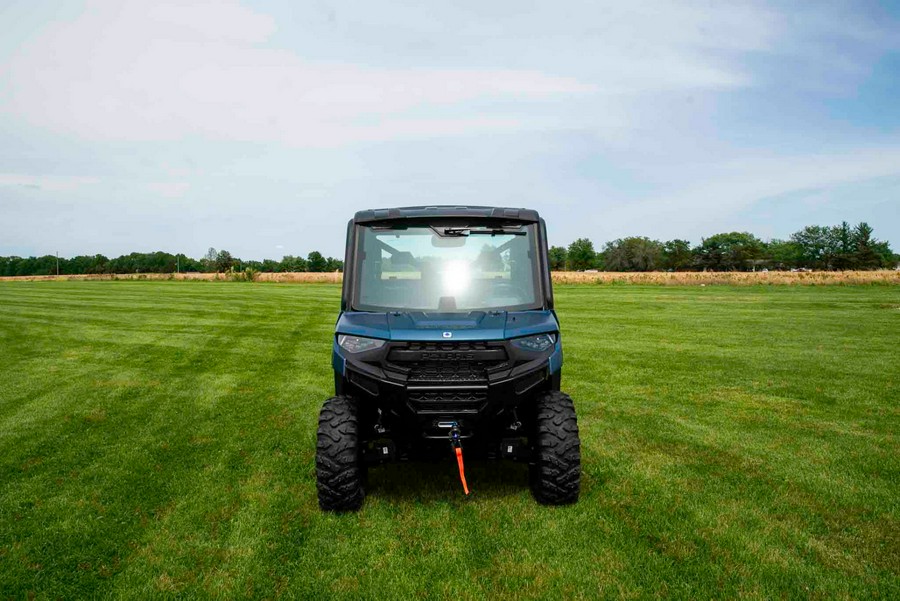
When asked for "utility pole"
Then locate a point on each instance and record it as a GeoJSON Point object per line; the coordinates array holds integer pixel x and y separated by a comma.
{"type": "Point", "coordinates": [57, 263]}
{"type": "Point", "coordinates": [177, 263]}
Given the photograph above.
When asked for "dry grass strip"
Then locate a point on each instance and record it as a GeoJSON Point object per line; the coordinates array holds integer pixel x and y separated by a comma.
{"type": "Point", "coordinates": [686, 278]}
{"type": "Point", "coordinates": [731, 278]}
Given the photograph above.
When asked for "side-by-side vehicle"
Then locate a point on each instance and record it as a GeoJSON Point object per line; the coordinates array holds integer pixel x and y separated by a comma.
{"type": "Point", "coordinates": [447, 341]}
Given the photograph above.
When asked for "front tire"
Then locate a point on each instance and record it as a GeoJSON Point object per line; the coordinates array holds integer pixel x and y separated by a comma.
{"type": "Point", "coordinates": [340, 472]}
{"type": "Point", "coordinates": [556, 471]}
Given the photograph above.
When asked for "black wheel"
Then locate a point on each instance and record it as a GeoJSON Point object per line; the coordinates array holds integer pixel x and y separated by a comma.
{"type": "Point", "coordinates": [556, 471]}
{"type": "Point", "coordinates": [340, 473]}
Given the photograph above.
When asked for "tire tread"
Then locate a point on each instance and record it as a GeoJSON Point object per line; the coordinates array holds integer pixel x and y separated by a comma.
{"type": "Point", "coordinates": [556, 471]}
{"type": "Point", "coordinates": [339, 469]}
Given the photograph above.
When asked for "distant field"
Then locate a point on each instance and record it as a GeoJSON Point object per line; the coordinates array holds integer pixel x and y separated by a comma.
{"type": "Point", "coordinates": [686, 278]}
{"type": "Point", "coordinates": [157, 438]}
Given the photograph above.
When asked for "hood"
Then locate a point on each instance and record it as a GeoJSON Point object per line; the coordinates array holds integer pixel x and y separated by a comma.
{"type": "Point", "coordinates": [420, 326]}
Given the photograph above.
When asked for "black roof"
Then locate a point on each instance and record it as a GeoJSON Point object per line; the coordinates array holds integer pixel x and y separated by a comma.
{"type": "Point", "coordinates": [430, 212]}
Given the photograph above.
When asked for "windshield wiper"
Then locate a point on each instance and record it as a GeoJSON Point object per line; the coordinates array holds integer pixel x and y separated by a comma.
{"type": "Point", "coordinates": [499, 231]}
{"type": "Point", "coordinates": [467, 231]}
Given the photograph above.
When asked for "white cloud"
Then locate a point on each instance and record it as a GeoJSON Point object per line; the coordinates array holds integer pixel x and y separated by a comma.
{"type": "Point", "coordinates": [133, 71]}
{"type": "Point", "coordinates": [123, 72]}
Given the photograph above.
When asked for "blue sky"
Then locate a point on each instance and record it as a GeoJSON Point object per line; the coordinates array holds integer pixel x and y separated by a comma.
{"type": "Point", "coordinates": [260, 127]}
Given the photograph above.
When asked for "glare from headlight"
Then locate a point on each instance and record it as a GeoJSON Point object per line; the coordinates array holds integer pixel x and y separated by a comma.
{"type": "Point", "coordinates": [358, 344]}
{"type": "Point", "coordinates": [537, 343]}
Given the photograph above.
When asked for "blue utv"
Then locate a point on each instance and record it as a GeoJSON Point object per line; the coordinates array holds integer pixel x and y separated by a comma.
{"type": "Point", "coordinates": [447, 339]}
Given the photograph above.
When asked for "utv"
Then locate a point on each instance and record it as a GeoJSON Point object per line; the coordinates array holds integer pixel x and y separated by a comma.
{"type": "Point", "coordinates": [447, 338]}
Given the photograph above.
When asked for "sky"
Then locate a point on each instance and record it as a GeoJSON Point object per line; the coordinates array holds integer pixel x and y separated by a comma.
{"type": "Point", "coordinates": [260, 127]}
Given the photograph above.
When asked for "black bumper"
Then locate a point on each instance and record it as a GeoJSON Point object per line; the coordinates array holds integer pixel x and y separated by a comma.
{"type": "Point", "coordinates": [471, 381]}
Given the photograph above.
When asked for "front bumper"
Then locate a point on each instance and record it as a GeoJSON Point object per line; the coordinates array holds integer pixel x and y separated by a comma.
{"type": "Point", "coordinates": [432, 381]}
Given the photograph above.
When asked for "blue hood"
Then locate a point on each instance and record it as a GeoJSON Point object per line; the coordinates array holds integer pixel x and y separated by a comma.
{"type": "Point", "coordinates": [475, 325]}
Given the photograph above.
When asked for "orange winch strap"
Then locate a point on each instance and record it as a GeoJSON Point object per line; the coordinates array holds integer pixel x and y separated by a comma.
{"type": "Point", "coordinates": [462, 472]}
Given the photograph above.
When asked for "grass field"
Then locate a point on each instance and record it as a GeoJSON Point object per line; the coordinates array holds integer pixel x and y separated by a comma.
{"type": "Point", "coordinates": [158, 438]}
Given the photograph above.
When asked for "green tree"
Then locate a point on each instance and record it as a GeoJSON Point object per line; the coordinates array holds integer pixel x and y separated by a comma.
{"type": "Point", "coordinates": [187, 264]}
{"type": "Point", "coordinates": [224, 261]}
{"type": "Point", "coordinates": [581, 255]}
{"type": "Point", "coordinates": [732, 251]}
{"type": "Point", "coordinates": [270, 265]}
{"type": "Point", "coordinates": [292, 263]}
{"type": "Point", "coordinates": [316, 262]}
{"type": "Point", "coordinates": [865, 256]}
{"type": "Point", "coordinates": [557, 256]}
{"type": "Point", "coordinates": [842, 239]}
{"type": "Point", "coordinates": [885, 253]}
{"type": "Point", "coordinates": [84, 264]}
{"type": "Point", "coordinates": [635, 253]}
{"type": "Point", "coordinates": [677, 255]}
{"type": "Point", "coordinates": [209, 260]}
{"type": "Point", "coordinates": [783, 254]}
{"type": "Point", "coordinates": [818, 246]}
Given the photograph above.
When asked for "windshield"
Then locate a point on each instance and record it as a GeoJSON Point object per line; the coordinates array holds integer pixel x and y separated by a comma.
{"type": "Point", "coordinates": [447, 268]}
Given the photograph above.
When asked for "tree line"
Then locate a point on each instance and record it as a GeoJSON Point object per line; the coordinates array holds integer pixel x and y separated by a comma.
{"type": "Point", "coordinates": [837, 247]}
{"type": "Point", "coordinates": [214, 261]}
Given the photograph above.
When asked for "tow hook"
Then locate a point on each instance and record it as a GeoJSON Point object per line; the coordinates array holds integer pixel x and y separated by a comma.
{"type": "Point", "coordinates": [516, 424]}
{"type": "Point", "coordinates": [456, 444]}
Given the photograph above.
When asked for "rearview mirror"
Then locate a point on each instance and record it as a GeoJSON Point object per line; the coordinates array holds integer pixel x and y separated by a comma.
{"type": "Point", "coordinates": [447, 241]}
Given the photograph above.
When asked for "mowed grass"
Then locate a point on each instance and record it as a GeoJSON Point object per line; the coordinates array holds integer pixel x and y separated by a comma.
{"type": "Point", "coordinates": [158, 438]}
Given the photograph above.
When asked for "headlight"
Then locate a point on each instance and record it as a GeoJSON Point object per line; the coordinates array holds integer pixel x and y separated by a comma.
{"type": "Point", "coordinates": [358, 344]}
{"type": "Point", "coordinates": [537, 343]}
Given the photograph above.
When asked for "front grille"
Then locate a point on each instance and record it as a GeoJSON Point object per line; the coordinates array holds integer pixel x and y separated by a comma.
{"type": "Point", "coordinates": [448, 372]}
{"type": "Point", "coordinates": [460, 363]}
{"type": "Point", "coordinates": [450, 346]}
{"type": "Point", "coordinates": [450, 401]}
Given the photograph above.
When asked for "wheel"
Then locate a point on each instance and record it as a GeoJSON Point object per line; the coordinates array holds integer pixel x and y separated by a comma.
{"type": "Point", "coordinates": [340, 473]}
{"type": "Point", "coordinates": [556, 472]}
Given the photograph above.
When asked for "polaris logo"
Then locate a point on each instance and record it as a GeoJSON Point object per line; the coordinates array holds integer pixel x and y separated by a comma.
{"type": "Point", "coordinates": [448, 356]}
{"type": "Point", "coordinates": [447, 334]}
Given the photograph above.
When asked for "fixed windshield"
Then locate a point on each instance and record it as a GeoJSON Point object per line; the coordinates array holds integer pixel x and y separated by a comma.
{"type": "Point", "coordinates": [460, 267]}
